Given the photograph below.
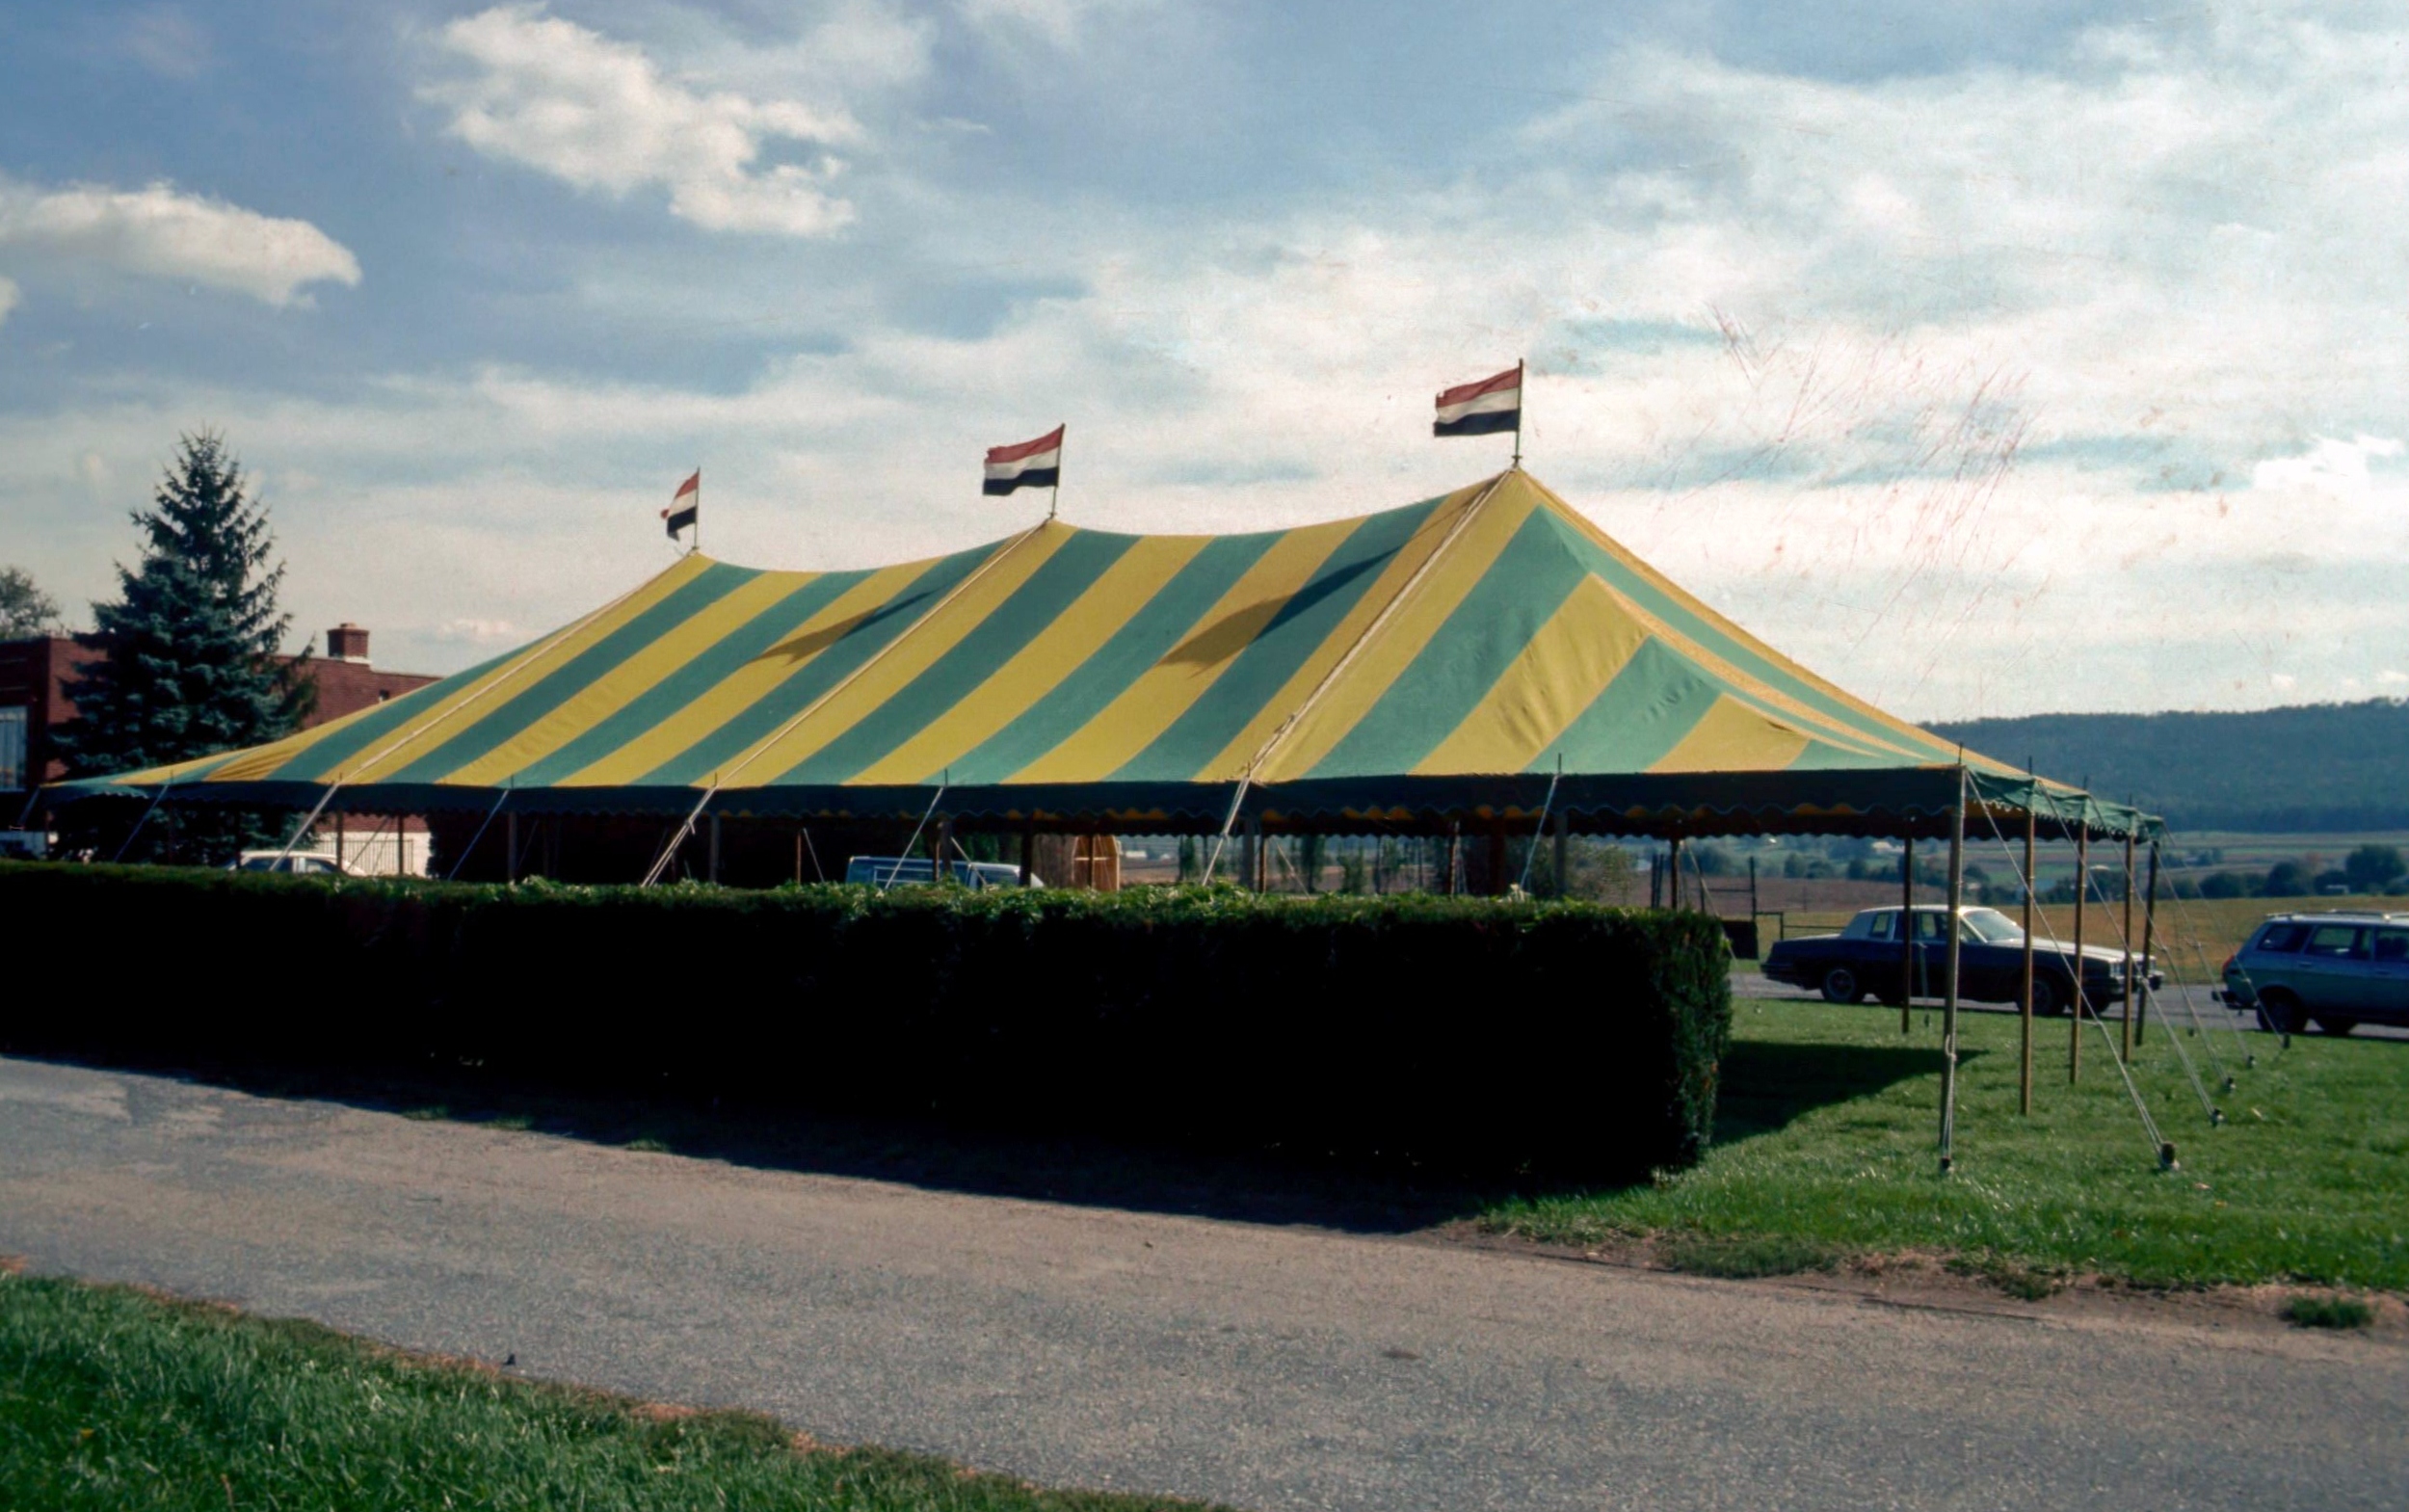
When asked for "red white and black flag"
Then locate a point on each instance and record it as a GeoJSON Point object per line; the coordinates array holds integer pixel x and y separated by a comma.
{"type": "Point", "coordinates": [685, 508]}
{"type": "Point", "coordinates": [1031, 465]}
{"type": "Point", "coordinates": [1482, 409]}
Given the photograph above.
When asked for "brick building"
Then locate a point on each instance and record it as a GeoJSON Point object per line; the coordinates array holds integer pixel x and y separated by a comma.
{"type": "Point", "coordinates": [34, 673]}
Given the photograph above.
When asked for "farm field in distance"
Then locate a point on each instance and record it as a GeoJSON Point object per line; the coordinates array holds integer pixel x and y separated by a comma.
{"type": "Point", "coordinates": [1825, 1149]}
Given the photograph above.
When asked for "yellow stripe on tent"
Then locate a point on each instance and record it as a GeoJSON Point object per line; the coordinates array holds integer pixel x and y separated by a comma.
{"type": "Point", "coordinates": [1558, 674]}
{"type": "Point", "coordinates": [1827, 728]}
{"type": "Point", "coordinates": [911, 653]}
{"type": "Point", "coordinates": [465, 709]}
{"type": "Point", "coordinates": [1732, 736]}
{"type": "Point", "coordinates": [260, 760]}
{"type": "Point", "coordinates": [1923, 744]}
{"type": "Point", "coordinates": [1386, 656]}
{"type": "Point", "coordinates": [1165, 691]}
{"type": "Point", "coordinates": [1076, 633]}
{"type": "Point", "coordinates": [1232, 759]}
{"type": "Point", "coordinates": [630, 679]}
{"type": "Point", "coordinates": [747, 685]}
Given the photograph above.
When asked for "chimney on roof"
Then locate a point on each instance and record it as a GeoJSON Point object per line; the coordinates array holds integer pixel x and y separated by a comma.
{"type": "Point", "coordinates": [348, 642]}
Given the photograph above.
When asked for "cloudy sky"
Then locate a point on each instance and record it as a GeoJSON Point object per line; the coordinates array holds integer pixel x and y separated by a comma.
{"type": "Point", "coordinates": [2031, 357]}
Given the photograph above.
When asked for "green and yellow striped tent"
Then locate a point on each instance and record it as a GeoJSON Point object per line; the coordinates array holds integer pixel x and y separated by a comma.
{"type": "Point", "coordinates": [1455, 660]}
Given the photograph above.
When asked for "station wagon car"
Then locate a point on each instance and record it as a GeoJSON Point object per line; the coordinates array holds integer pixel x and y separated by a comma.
{"type": "Point", "coordinates": [2337, 970]}
{"type": "Point", "coordinates": [1870, 956]}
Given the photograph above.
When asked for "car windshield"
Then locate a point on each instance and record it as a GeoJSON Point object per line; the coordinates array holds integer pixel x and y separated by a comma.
{"type": "Point", "coordinates": [1991, 926]}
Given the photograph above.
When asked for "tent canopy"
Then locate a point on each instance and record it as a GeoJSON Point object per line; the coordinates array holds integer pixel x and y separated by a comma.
{"type": "Point", "coordinates": [1445, 662]}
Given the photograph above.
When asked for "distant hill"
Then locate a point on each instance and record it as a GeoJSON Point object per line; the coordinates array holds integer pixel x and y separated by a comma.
{"type": "Point", "coordinates": [2324, 767]}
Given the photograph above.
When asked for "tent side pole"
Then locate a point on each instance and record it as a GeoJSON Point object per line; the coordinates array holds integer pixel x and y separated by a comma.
{"type": "Point", "coordinates": [1673, 868]}
{"type": "Point", "coordinates": [2082, 990]}
{"type": "Point", "coordinates": [2149, 944]}
{"type": "Point", "coordinates": [1028, 848]}
{"type": "Point", "coordinates": [1907, 932]}
{"type": "Point", "coordinates": [713, 865]}
{"type": "Point", "coordinates": [2125, 1016]}
{"type": "Point", "coordinates": [2023, 1064]}
{"type": "Point", "coordinates": [1949, 1001]}
{"type": "Point", "coordinates": [510, 846]}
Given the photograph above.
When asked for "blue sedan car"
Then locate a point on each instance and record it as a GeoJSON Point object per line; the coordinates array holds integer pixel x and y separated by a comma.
{"type": "Point", "coordinates": [1870, 957]}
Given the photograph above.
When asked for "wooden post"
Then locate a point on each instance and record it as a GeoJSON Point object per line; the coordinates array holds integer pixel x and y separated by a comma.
{"type": "Point", "coordinates": [510, 846]}
{"type": "Point", "coordinates": [1029, 846]}
{"type": "Point", "coordinates": [1673, 868]}
{"type": "Point", "coordinates": [2149, 944]}
{"type": "Point", "coordinates": [1906, 934]}
{"type": "Point", "coordinates": [798, 856]}
{"type": "Point", "coordinates": [2126, 1017]}
{"type": "Point", "coordinates": [939, 845]}
{"type": "Point", "coordinates": [1564, 875]}
{"type": "Point", "coordinates": [1752, 887]}
{"type": "Point", "coordinates": [2024, 1072]}
{"type": "Point", "coordinates": [338, 841]}
{"type": "Point", "coordinates": [2083, 995]}
{"type": "Point", "coordinates": [1250, 855]}
{"type": "Point", "coordinates": [1949, 987]}
{"type": "Point", "coordinates": [711, 867]}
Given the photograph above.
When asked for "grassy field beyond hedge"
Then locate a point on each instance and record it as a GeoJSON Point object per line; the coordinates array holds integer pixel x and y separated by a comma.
{"type": "Point", "coordinates": [113, 1399]}
{"type": "Point", "coordinates": [1825, 1136]}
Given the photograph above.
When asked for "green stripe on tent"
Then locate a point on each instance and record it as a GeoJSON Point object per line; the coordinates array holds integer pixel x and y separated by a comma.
{"type": "Point", "coordinates": [371, 730]}
{"type": "Point", "coordinates": [1463, 659]}
{"type": "Point", "coordinates": [1657, 602]}
{"type": "Point", "coordinates": [756, 637]}
{"type": "Point", "coordinates": [1258, 672]}
{"type": "Point", "coordinates": [873, 633]}
{"type": "Point", "coordinates": [1637, 718]}
{"type": "Point", "coordinates": [1071, 570]}
{"type": "Point", "coordinates": [1146, 638]}
{"type": "Point", "coordinates": [576, 674]}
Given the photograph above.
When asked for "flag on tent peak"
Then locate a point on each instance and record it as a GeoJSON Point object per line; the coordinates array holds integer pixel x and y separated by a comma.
{"type": "Point", "coordinates": [1031, 465]}
{"type": "Point", "coordinates": [1482, 409]}
{"type": "Point", "coordinates": [685, 507]}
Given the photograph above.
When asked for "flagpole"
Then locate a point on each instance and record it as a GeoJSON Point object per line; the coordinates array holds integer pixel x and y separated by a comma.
{"type": "Point", "coordinates": [1053, 496]}
{"type": "Point", "coordinates": [1521, 397]}
{"type": "Point", "coordinates": [697, 492]}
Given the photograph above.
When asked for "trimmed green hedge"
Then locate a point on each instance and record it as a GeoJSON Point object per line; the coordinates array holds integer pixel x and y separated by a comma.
{"type": "Point", "coordinates": [1569, 1037]}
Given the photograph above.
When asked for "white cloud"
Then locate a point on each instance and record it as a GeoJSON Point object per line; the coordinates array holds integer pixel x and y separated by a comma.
{"type": "Point", "coordinates": [160, 233]}
{"type": "Point", "coordinates": [601, 114]}
{"type": "Point", "coordinates": [2329, 467]}
{"type": "Point", "coordinates": [1064, 23]}
{"type": "Point", "coordinates": [8, 298]}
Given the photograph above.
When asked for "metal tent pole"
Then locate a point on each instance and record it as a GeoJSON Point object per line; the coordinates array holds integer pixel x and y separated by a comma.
{"type": "Point", "coordinates": [2126, 1017]}
{"type": "Point", "coordinates": [2024, 1071]}
{"type": "Point", "coordinates": [2149, 944]}
{"type": "Point", "coordinates": [1907, 932]}
{"type": "Point", "coordinates": [2082, 990]}
{"type": "Point", "coordinates": [1948, 1002]}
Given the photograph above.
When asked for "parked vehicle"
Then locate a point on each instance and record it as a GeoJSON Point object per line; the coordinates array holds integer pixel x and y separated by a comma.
{"type": "Point", "coordinates": [915, 871]}
{"type": "Point", "coordinates": [2337, 970]}
{"type": "Point", "coordinates": [300, 863]}
{"type": "Point", "coordinates": [1870, 956]}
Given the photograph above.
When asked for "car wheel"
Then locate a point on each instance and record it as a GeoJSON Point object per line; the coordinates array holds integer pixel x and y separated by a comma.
{"type": "Point", "coordinates": [1841, 986]}
{"type": "Point", "coordinates": [2336, 1026]}
{"type": "Point", "coordinates": [2284, 1013]}
{"type": "Point", "coordinates": [2049, 1000]}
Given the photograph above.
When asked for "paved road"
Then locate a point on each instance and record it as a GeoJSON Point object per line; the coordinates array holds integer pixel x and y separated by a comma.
{"type": "Point", "coordinates": [1265, 1367]}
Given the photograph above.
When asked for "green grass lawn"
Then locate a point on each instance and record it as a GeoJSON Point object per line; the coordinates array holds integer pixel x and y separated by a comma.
{"type": "Point", "coordinates": [110, 1398]}
{"type": "Point", "coordinates": [1825, 1147]}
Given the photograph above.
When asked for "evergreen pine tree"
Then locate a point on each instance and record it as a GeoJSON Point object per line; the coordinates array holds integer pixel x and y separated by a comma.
{"type": "Point", "coordinates": [193, 665]}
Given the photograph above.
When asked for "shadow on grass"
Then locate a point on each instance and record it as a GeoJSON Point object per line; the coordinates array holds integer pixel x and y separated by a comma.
{"type": "Point", "coordinates": [1763, 1087]}
{"type": "Point", "coordinates": [1767, 1084]}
